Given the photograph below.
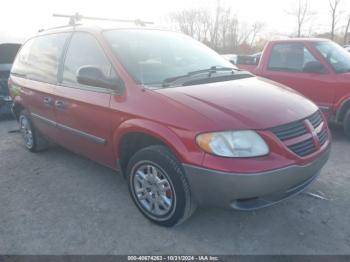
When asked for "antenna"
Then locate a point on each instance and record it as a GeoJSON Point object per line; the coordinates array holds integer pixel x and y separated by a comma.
{"type": "Point", "coordinates": [74, 19]}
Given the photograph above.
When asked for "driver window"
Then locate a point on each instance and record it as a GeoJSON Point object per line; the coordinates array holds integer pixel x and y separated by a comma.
{"type": "Point", "coordinates": [84, 50]}
{"type": "Point", "coordinates": [290, 57]}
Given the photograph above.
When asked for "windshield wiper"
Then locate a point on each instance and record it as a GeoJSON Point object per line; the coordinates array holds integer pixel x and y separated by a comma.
{"type": "Point", "coordinates": [213, 69]}
{"type": "Point", "coordinates": [173, 80]}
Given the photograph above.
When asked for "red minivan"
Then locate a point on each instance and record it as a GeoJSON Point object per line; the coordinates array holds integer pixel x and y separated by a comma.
{"type": "Point", "coordinates": [182, 124]}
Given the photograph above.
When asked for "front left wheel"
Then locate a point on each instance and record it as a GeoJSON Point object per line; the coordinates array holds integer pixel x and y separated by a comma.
{"type": "Point", "coordinates": [158, 186]}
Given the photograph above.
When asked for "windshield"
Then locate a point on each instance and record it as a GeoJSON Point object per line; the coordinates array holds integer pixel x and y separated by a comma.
{"type": "Point", "coordinates": [152, 56]}
{"type": "Point", "coordinates": [336, 56]}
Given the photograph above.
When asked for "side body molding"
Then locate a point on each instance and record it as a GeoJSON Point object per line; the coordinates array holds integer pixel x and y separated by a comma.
{"type": "Point", "coordinates": [74, 131]}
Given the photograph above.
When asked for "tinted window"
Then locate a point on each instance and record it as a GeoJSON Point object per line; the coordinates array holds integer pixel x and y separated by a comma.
{"type": "Point", "coordinates": [84, 50]}
{"type": "Point", "coordinates": [335, 55]}
{"type": "Point", "coordinates": [290, 57]}
{"type": "Point", "coordinates": [39, 58]}
{"type": "Point", "coordinates": [21, 63]}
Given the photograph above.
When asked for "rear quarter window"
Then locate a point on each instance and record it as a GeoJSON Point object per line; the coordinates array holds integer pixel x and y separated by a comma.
{"type": "Point", "coordinates": [40, 57]}
{"type": "Point", "coordinates": [21, 63]}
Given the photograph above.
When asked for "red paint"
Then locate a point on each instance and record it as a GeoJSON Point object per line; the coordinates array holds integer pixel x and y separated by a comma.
{"type": "Point", "coordinates": [329, 90]}
{"type": "Point", "coordinates": [175, 116]}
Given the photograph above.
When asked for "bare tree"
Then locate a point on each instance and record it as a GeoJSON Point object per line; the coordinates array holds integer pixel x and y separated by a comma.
{"type": "Point", "coordinates": [218, 28]}
{"type": "Point", "coordinates": [215, 28]}
{"type": "Point", "coordinates": [256, 29]}
{"type": "Point", "coordinates": [334, 6]}
{"type": "Point", "coordinates": [233, 34]}
{"type": "Point", "coordinates": [346, 34]}
{"type": "Point", "coordinates": [302, 14]}
{"type": "Point", "coordinates": [186, 21]}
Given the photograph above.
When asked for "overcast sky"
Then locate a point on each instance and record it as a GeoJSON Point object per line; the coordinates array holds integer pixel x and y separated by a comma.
{"type": "Point", "coordinates": [20, 19]}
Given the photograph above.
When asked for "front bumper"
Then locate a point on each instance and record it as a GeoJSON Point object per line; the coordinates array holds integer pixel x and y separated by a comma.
{"type": "Point", "coordinates": [251, 191]}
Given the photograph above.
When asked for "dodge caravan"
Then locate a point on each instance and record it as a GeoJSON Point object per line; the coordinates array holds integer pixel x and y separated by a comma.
{"type": "Point", "coordinates": [183, 125]}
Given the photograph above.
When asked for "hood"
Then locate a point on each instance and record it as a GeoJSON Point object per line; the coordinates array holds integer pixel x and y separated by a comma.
{"type": "Point", "coordinates": [252, 103]}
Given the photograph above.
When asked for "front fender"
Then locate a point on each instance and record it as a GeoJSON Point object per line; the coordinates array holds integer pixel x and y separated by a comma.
{"type": "Point", "coordinates": [185, 149]}
{"type": "Point", "coordinates": [341, 107]}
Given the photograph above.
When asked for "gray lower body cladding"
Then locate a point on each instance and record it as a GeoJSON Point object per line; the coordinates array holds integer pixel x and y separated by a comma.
{"type": "Point", "coordinates": [251, 191]}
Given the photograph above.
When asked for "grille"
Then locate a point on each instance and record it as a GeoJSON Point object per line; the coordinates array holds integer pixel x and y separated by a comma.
{"type": "Point", "coordinates": [323, 137]}
{"type": "Point", "coordinates": [303, 148]}
{"type": "Point", "coordinates": [289, 131]}
{"type": "Point", "coordinates": [297, 129]}
{"type": "Point", "coordinates": [315, 119]}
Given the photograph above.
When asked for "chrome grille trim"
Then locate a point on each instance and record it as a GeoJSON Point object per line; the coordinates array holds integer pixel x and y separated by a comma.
{"type": "Point", "coordinates": [299, 128]}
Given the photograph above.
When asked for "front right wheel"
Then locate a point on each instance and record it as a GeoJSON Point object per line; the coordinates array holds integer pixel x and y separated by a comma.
{"type": "Point", "coordinates": [158, 186]}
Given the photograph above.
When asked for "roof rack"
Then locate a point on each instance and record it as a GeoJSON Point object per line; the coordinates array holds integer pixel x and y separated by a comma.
{"type": "Point", "coordinates": [74, 19]}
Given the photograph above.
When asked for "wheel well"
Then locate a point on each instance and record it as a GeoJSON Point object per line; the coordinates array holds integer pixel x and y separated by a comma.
{"type": "Point", "coordinates": [131, 143]}
{"type": "Point", "coordinates": [17, 110]}
{"type": "Point", "coordinates": [342, 111]}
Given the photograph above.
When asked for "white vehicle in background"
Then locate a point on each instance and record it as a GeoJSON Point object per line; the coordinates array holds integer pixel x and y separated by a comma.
{"type": "Point", "coordinates": [231, 57]}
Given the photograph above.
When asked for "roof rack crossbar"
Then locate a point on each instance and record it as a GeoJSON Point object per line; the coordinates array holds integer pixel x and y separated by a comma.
{"type": "Point", "coordinates": [73, 19]}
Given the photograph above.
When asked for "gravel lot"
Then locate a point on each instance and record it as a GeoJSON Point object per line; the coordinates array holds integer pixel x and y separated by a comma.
{"type": "Point", "coordinates": [59, 203]}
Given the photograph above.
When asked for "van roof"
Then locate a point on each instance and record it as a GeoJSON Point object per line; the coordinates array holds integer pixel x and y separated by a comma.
{"type": "Point", "coordinates": [93, 28]}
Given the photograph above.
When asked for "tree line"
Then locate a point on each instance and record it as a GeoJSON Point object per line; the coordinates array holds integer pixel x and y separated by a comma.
{"type": "Point", "coordinates": [221, 29]}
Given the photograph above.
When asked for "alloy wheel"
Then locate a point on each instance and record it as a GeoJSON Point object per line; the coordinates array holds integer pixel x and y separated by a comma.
{"type": "Point", "coordinates": [26, 132]}
{"type": "Point", "coordinates": [153, 190]}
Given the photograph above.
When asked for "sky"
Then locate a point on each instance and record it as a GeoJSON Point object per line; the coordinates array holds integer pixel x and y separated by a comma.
{"type": "Point", "coordinates": [20, 19]}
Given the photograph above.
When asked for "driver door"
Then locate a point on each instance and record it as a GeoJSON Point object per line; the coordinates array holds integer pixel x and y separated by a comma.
{"type": "Point", "coordinates": [286, 66]}
{"type": "Point", "coordinates": [82, 112]}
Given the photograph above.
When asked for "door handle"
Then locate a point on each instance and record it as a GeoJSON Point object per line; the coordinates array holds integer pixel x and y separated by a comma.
{"type": "Point", "coordinates": [48, 101]}
{"type": "Point", "coordinates": [59, 104]}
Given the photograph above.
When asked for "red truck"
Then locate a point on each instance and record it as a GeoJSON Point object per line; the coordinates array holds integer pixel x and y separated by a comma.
{"type": "Point", "coordinates": [317, 68]}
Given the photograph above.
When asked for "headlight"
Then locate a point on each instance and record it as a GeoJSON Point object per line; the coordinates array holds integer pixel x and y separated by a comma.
{"type": "Point", "coordinates": [233, 144]}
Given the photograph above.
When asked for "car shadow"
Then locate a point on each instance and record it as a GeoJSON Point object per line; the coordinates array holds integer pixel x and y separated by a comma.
{"type": "Point", "coordinates": [338, 134]}
{"type": "Point", "coordinates": [6, 117]}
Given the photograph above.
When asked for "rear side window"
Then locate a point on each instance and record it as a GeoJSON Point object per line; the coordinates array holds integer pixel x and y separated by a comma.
{"type": "Point", "coordinates": [39, 58]}
{"type": "Point", "coordinates": [21, 63]}
{"type": "Point", "coordinates": [84, 50]}
{"type": "Point", "coordinates": [290, 57]}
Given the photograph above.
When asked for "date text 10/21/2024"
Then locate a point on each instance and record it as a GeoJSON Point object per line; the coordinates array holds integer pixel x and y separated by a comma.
{"type": "Point", "coordinates": [173, 258]}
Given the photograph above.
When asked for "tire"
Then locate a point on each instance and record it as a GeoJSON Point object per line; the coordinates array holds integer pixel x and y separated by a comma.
{"type": "Point", "coordinates": [346, 123]}
{"type": "Point", "coordinates": [33, 140]}
{"type": "Point", "coordinates": [158, 186]}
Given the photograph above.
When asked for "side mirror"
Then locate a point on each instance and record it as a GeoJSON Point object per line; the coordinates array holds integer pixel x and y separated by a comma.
{"type": "Point", "coordinates": [314, 67]}
{"type": "Point", "coordinates": [93, 76]}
